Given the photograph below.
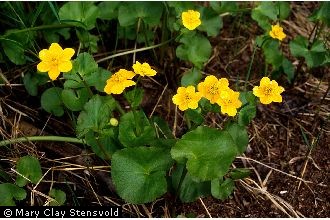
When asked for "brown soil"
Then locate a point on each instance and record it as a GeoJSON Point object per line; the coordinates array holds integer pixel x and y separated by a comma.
{"type": "Point", "coordinates": [289, 176]}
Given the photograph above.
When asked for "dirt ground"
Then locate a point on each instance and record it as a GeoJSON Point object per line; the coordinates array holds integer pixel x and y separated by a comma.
{"type": "Point", "coordinates": [288, 152]}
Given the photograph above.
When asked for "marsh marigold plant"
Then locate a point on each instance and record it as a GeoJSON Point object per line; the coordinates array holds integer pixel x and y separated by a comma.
{"type": "Point", "coordinates": [143, 69]}
{"type": "Point", "coordinates": [268, 91]}
{"type": "Point", "coordinates": [117, 83]}
{"type": "Point", "coordinates": [191, 19]}
{"type": "Point", "coordinates": [277, 32]}
{"type": "Point", "coordinates": [55, 60]}
{"type": "Point", "coordinates": [186, 97]}
{"type": "Point", "coordinates": [212, 87]}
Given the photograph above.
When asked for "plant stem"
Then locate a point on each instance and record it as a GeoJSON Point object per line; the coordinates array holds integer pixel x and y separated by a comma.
{"type": "Point", "coordinates": [133, 51]}
{"type": "Point", "coordinates": [41, 138]}
{"type": "Point", "coordinates": [250, 66]}
{"type": "Point", "coordinates": [38, 28]}
{"type": "Point", "coordinates": [86, 85]}
{"type": "Point", "coordinates": [187, 121]}
{"type": "Point", "coordinates": [119, 108]}
{"type": "Point", "coordinates": [183, 176]}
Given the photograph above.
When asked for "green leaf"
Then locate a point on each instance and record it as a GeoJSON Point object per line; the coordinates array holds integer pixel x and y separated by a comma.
{"type": "Point", "coordinates": [288, 69]}
{"type": "Point", "coordinates": [149, 12]}
{"type": "Point", "coordinates": [211, 22]}
{"type": "Point", "coordinates": [223, 7]}
{"type": "Point", "coordinates": [86, 66]}
{"type": "Point", "coordinates": [209, 151]}
{"type": "Point", "coordinates": [108, 10]}
{"type": "Point", "coordinates": [51, 101]}
{"type": "Point", "coordinates": [9, 192]}
{"type": "Point", "coordinates": [29, 167]}
{"type": "Point", "coordinates": [189, 190]}
{"type": "Point", "coordinates": [195, 115]}
{"type": "Point", "coordinates": [84, 13]}
{"type": "Point", "coordinates": [298, 46]}
{"type": "Point", "coordinates": [14, 51]}
{"type": "Point", "coordinates": [239, 135]}
{"type": "Point", "coordinates": [87, 40]}
{"type": "Point", "coordinates": [161, 127]}
{"type": "Point", "coordinates": [181, 6]}
{"type": "Point", "coordinates": [208, 107]}
{"type": "Point", "coordinates": [32, 81]}
{"type": "Point", "coordinates": [261, 19]}
{"type": "Point", "coordinates": [75, 99]}
{"type": "Point", "coordinates": [96, 115]}
{"type": "Point", "coordinates": [239, 173]}
{"type": "Point", "coordinates": [135, 129]}
{"type": "Point", "coordinates": [139, 173]}
{"type": "Point", "coordinates": [284, 10]}
{"type": "Point", "coordinates": [322, 13]}
{"type": "Point", "coordinates": [59, 196]}
{"type": "Point", "coordinates": [249, 111]}
{"type": "Point", "coordinates": [272, 53]}
{"type": "Point", "coordinates": [222, 189]}
{"type": "Point", "coordinates": [314, 57]}
{"type": "Point", "coordinates": [98, 79]}
{"type": "Point", "coordinates": [191, 77]}
{"type": "Point", "coordinates": [194, 48]}
{"type": "Point", "coordinates": [105, 144]}
{"type": "Point", "coordinates": [268, 9]}
{"type": "Point", "coordinates": [134, 97]}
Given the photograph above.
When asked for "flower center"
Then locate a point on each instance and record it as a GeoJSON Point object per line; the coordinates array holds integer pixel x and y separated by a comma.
{"type": "Point", "coordinates": [267, 90]}
{"type": "Point", "coordinates": [213, 89]}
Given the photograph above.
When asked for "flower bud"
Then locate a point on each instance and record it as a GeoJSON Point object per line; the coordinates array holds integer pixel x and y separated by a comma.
{"type": "Point", "coordinates": [113, 122]}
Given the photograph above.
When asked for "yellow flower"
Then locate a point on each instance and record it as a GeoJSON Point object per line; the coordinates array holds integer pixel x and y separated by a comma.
{"type": "Point", "coordinates": [55, 60]}
{"type": "Point", "coordinates": [268, 91]}
{"type": "Point", "coordinates": [212, 87]}
{"type": "Point", "coordinates": [191, 19]}
{"type": "Point", "coordinates": [277, 32]}
{"type": "Point", "coordinates": [119, 81]}
{"type": "Point", "coordinates": [229, 102]}
{"type": "Point", "coordinates": [186, 98]}
{"type": "Point", "coordinates": [143, 69]}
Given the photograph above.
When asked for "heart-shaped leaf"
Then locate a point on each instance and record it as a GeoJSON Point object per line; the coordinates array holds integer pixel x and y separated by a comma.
{"type": "Point", "coordinates": [139, 173]}
{"type": "Point", "coordinates": [29, 167]}
{"type": "Point", "coordinates": [211, 22]}
{"type": "Point", "coordinates": [59, 196]}
{"type": "Point", "coordinates": [75, 99]}
{"type": "Point", "coordinates": [222, 189]}
{"type": "Point", "coordinates": [51, 101]}
{"type": "Point", "coordinates": [210, 152]}
{"type": "Point", "coordinates": [191, 78]}
{"type": "Point", "coordinates": [239, 136]}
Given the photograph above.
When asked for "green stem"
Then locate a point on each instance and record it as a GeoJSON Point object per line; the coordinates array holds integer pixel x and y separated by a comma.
{"type": "Point", "coordinates": [183, 176]}
{"type": "Point", "coordinates": [38, 28]}
{"type": "Point", "coordinates": [119, 108]}
{"type": "Point", "coordinates": [250, 67]}
{"type": "Point", "coordinates": [187, 120]}
{"type": "Point", "coordinates": [132, 51]}
{"type": "Point", "coordinates": [41, 138]}
{"type": "Point", "coordinates": [86, 85]}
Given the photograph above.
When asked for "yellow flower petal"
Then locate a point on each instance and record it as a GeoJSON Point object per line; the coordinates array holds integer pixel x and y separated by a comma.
{"type": "Point", "coordinates": [43, 66]}
{"type": "Point", "coordinates": [53, 73]}
{"type": "Point", "coordinates": [68, 53]}
{"type": "Point", "coordinates": [65, 66]}
{"type": "Point", "coordinates": [43, 55]}
{"type": "Point", "coordinates": [55, 48]}
{"type": "Point", "coordinates": [265, 100]}
{"type": "Point", "coordinates": [277, 98]}
{"type": "Point", "coordinates": [264, 81]}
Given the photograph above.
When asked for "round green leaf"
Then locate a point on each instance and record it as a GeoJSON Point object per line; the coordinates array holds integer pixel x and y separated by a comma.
{"type": "Point", "coordinates": [29, 167]}
{"type": "Point", "coordinates": [51, 101]}
{"type": "Point", "coordinates": [9, 192]}
{"type": "Point", "coordinates": [139, 173]}
{"type": "Point", "coordinates": [210, 152]}
{"type": "Point", "coordinates": [211, 22]}
{"type": "Point", "coordinates": [32, 81]}
{"type": "Point", "coordinates": [59, 196]}
{"type": "Point", "coordinates": [84, 13]}
{"type": "Point", "coordinates": [194, 48]}
{"type": "Point", "coordinates": [75, 99]}
{"type": "Point", "coordinates": [108, 10]}
{"type": "Point", "coordinates": [191, 78]}
{"type": "Point", "coordinates": [14, 51]}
